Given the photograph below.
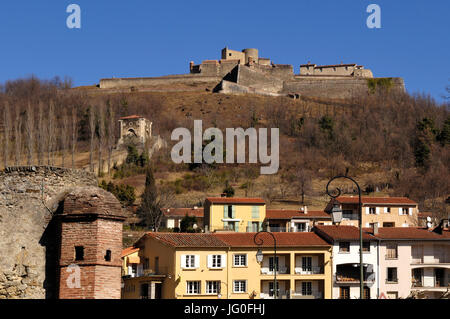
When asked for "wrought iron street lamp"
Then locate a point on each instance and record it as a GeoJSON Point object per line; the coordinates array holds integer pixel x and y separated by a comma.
{"type": "Point", "coordinates": [259, 258]}
{"type": "Point", "coordinates": [336, 212]}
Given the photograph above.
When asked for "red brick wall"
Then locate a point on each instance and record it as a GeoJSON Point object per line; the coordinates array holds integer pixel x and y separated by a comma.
{"type": "Point", "coordinates": [98, 278]}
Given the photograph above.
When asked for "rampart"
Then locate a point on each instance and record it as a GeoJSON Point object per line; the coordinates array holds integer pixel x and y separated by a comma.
{"type": "Point", "coordinates": [115, 83]}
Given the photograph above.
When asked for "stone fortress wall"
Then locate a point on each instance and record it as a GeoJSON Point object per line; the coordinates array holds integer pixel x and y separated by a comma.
{"type": "Point", "coordinates": [250, 73]}
{"type": "Point", "coordinates": [30, 196]}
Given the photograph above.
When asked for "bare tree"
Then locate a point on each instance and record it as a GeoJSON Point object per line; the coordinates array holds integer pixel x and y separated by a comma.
{"type": "Point", "coordinates": [92, 136]}
{"type": "Point", "coordinates": [18, 137]}
{"type": "Point", "coordinates": [51, 134]}
{"type": "Point", "coordinates": [29, 129]}
{"type": "Point", "coordinates": [64, 136]}
{"type": "Point", "coordinates": [41, 139]}
{"type": "Point", "coordinates": [6, 133]}
{"type": "Point", "coordinates": [111, 135]}
{"type": "Point", "coordinates": [74, 134]}
{"type": "Point", "coordinates": [303, 183]}
{"type": "Point", "coordinates": [101, 136]}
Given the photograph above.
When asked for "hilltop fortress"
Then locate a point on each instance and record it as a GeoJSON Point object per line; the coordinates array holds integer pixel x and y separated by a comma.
{"type": "Point", "coordinates": [240, 72]}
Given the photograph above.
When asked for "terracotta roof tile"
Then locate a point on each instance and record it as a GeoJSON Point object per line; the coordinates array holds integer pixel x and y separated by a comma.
{"type": "Point", "coordinates": [128, 251]}
{"type": "Point", "coordinates": [375, 200]}
{"type": "Point", "coordinates": [283, 239]}
{"type": "Point", "coordinates": [413, 233]}
{"type": "Point", "coordinates": [341, 232]}
{"type": "Point", "coordinates": [130, 117]}
{"type": "Point", "coordinates": [188, 239]}
{"type": "Point", "coordinates": [293, 213]}
{"type": "Point", "coordinates": [235, 200]}
{"type": "Point", "coordinates": [181, 212]}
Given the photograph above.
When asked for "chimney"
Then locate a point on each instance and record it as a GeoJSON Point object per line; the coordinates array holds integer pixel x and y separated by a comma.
{"type": "Point", "coordinates": [191, 65]}
{"type": "Point", "coordinates": [375, 228]}
{"type": "Point", "coordinates": [305, 209]}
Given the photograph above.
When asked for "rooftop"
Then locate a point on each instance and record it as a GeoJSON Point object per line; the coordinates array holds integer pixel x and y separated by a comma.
{"type": "Point", "coordinates": [412, 233]}
{"type": "Point", "coordinates": [341, 232]}
{"type": "Point", "coordinates": [128, 251]}
{"type": "Point", "coordinates": [181, 212]}
{"type": "Point", "coordinates": [235, 200]}
{"type": "Point", "coordinates": [130, 117]}
{"type": "Point", "coordinates": [293, 213]}
{"type": "Point", "coordinates": [375, 200]}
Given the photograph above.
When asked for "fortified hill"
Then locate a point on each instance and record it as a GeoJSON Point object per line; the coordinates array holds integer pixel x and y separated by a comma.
{"type": "Point", "coordinates": [246, 72]}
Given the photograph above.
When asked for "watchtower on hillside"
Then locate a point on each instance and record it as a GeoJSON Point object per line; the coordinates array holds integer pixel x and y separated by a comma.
{"type": "Point", "coordinates": [135, 129]}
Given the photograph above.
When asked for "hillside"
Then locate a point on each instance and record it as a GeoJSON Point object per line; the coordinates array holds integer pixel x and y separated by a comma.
{"type": "Point", "coordinates": [392, 143]}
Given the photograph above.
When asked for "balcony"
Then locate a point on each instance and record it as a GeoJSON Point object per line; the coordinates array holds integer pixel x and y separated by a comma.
{"type": "Point", "coordinates": [281, 295]}
{"type": "Point", "coordinates": [268, 271]}
{"type": "Point", "coordinates": [344, 279]}
{"type": "Point", "coordinates": [299, 295]}
{"type": "Point", "coordinates": [309, 271]}
{"type": "Point", "coordinates": [277, 229]}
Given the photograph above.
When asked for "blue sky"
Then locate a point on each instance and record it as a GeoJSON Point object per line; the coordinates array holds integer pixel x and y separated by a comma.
{"type": "Point", "coordinates": [151, 38]}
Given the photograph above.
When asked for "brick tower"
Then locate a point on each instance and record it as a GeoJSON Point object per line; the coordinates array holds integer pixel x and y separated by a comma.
{"type": "Point", "coordinates": [91, 243]}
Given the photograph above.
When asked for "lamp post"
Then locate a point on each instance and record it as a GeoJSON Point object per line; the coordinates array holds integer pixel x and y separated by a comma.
{"type": "Point", "coordinates": [259, 258]}
{"type": "Point", "coordinates": [337, 216]}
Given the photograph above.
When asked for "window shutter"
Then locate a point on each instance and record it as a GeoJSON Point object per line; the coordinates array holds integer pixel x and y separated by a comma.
{"type": "Point", "coordinates": [183, 261]}
{"type": "Point", "coordinates": [385, 210]}
{"type": "Point", "coordinates": [233, 208]}
{"type": "Point", "coordinates": [377, 210]}
{"type": "Point", "coordinates": [225, 225]}
{"type": "Point", "coordinates": [367, 225]}
{"type": "Point", "coordinates": [367, 210]}
{"type": "Point", "coordinates": [197, 261]}
{"type": "Point", "coordinates": [260, 226]}
{"type": "Point", "coordinates": [249, 227]}
{"type": "Point", "coordinates": [400, 212]}
{"type": "Point", "coordinates": [410, 211]}
{"type": "Point", "coordinates": [255, 212]}
{"type": "Point", "coordinates": [209, 261]}
{"type": "Point", "coordinates": [225, 211]}
{"type": "Point", "coordinates": [224, 261]}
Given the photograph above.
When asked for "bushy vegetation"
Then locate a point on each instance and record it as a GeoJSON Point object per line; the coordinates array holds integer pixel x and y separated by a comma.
{"type": "Point", "coordinates": [124, 193]}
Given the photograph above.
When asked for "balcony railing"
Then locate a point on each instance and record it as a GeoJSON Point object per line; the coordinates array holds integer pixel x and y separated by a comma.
{"type": "Point", "coordinates": [430, 260]}
{"type": "Point", "coordinates": [281, 295]}
{"type": "Point", "coordinates": [368, 277]}
{"type": "Point", "coordinates": [268, 271]}
{"type": "Point", "coordinates": [299, 295]}
{"type": "Point", "coordinates": [309, 271]}
{"type": "Point", "coordinates": [437, 284]}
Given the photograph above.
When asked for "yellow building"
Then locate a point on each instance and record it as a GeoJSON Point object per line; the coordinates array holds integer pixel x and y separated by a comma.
{"type": "Point", "coordinates": [130, 261]}
{"type": "Point", "coordinates": [233, 213]}
{"type": "Point", "coordinates": [224, 265]}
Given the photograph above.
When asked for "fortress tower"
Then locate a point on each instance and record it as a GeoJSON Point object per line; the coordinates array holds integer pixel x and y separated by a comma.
{"type": "Point", "coordinates": [134, 128]}
{"type": "Point", "coordinates": [91, 245]}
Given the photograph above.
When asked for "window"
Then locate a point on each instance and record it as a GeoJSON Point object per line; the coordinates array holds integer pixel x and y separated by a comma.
{"type": "Point", "coordinates": [108, 255]}
{"type": "Point", "coordinates": [366, 246]}
{"type": "Point", "coordinates": [144, 291]}
{"type": "Point", "coordinates": [213, 287]}
{"type": "Point", "coordinates": [391, 251]}
{"type": "Point", "coordinates": [271, 264]}
{"type": "Point", "coordinates": [344, 247]}
{"type": "Point", "coordinates": [301, 227]}
{"type": "Point", "coordinates": [372, 210]}
{"type": "Point", "coordinates": [193, 287]}
{"type": "Point", "coordinates": [189, 261]}
{"type": "Point", "coordinates": [239, 286]}
{"type": "Point", "coordinates": [240, 260]}
{"type": "Point", "coordinates": [344, 292]}
{"type": "Point", "coordinates": [230, 211]}
{"type": "Point", "coordinates": [306, 288]}
{"type": "Point", "coordinates": [146, 263]}
{"type": "Point", "coordinates": [79, 253]}
{"type": "Point", "coordinates": [391, 274]}
{"type": "Point", "coordinates": [306, 263]}
{"type": "Point", "coordinates": [403, 211]}
{"type": "Point", "coordinates": [255, 227]}
{"type": "Point", "coordinates": [156, 264]}
{"type": "Point", "coordinates": [388, 224]}
{"type": "Point", "coordinates": [387, 210]}
{"type": "Point", "coordinates": [216, 261]}
{"type": "Point", "coordinates": [366, 293]}
{"type": "Point", "coordinates": [255, 211]}
{"type": "Point", "coordinates": [347, 213]}
{"type": "Point", "coordinates": [271, 291]}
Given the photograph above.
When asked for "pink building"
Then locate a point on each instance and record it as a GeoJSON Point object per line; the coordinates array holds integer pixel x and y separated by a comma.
{"type": "Point", "coordinates": [413, 259]}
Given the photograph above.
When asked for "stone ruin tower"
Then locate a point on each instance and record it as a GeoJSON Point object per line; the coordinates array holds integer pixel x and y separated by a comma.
{"type": "Point", "coordinates": [53, 220]}
{"type": "Point", "coordinates": [135, 129]}
{"type": "Point", "coordinates": [91, 244]}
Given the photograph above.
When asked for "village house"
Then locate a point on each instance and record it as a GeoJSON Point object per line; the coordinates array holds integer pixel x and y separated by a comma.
{"type": "Point", "coordinates": [224, 266]}
{"type": "Point", "coordinates": [413, 259]}
{"type": "Point", "coordinates": [172, 216]}
{"type": "Point", "coordinates": [385, 211]}
{"type": "Point", "coordinates": [293, 220]}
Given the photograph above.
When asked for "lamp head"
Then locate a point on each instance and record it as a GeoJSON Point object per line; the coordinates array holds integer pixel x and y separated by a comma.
{"type": "Point", "coordinates": [259, 256]}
